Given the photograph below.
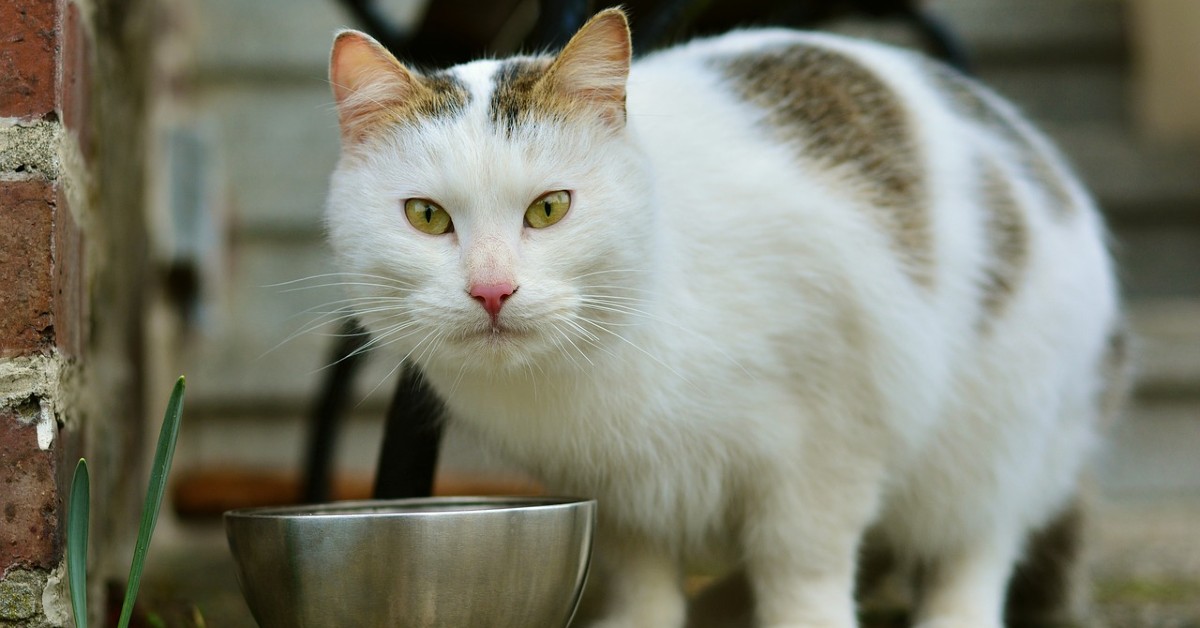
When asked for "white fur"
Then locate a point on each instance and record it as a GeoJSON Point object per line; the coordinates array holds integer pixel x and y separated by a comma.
{"type": "Point", "coordinates": [760, 380]}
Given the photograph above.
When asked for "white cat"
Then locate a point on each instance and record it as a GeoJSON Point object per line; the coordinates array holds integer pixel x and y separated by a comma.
{"type": "Point", "coordinates": [757, 294]}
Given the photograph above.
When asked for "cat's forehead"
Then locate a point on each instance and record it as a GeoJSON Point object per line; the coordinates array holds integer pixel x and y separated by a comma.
{"type": "Point", "coordinates": [502, 92]}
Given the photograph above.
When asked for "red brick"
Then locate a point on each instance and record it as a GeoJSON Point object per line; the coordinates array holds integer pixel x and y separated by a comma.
{"type": "Point", "coordinates": [76, 77]}
{"type": "Point", "coordinates": [26, 279]}
{"type": "Point", "coordinates": [29, 49]}
{"type": "Point", "coordinates": [70, 302]}
{"type": "Point", "coordinates": [29, 508]}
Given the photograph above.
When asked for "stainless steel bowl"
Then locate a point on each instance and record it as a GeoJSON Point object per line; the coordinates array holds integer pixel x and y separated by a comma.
{"type": "Point", "coordinates": [456, 562]}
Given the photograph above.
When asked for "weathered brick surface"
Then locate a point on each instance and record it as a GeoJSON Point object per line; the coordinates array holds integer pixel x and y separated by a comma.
{"type": "Point", "coordinates": [26, 281]}
{"type": "Point", "coordinates": [29, 47]}
{"type": "Point", "coordinates": [29, 502]}
{"type": "Point", "coordinates": [76, 77]}
{"type": "Point", "coordinates": [70, 298]}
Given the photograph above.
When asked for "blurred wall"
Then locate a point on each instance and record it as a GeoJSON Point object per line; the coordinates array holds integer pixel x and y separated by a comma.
{"type": "Point", "coordinates": [75, 80]}
{"type": "Point", "coordinates": [259, 107]}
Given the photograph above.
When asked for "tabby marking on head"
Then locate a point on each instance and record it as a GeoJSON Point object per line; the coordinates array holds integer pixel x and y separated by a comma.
{"type": "Point", "coordinates": [373, 90]}
{"type": "Point", "coordinates": [516, 96]}
{"type": "Point", "coordinates": [446, 96]}
{"type": "Point", "coordinates": [585, 82]}
{"type": "Point", "coordinates": [839, 114]}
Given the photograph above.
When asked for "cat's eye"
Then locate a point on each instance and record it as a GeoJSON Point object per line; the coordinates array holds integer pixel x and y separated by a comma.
{"type": "Point", "coordinates": [548, 209]}
{"type": "Point", "coordinates": [426, 216]}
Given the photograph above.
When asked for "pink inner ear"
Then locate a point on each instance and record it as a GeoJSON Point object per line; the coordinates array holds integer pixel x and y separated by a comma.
{"type": "Point", "coordinates": [594, 65]}
{"type": "Point", "coordinates": [352, 57]}
{"type": "Point", "coordinates": [366, 80]}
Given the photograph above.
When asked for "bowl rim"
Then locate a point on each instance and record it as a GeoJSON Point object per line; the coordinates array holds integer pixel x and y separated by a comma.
{"type": "Point", "coordinates": [411, 507]}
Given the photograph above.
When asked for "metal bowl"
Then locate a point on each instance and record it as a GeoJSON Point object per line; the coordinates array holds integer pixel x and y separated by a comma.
{"type": "Point", "coordinates": [455, 562]}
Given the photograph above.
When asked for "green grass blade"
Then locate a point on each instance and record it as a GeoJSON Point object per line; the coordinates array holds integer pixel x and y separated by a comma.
{"type": "Point", "coordinates": [77, 541]}
{"type": "Point", "coordinates": [163, 453]}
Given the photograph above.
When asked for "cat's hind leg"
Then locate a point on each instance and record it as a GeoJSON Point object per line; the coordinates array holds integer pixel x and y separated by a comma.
{"type": "Point", "coordinates": [1049, 585]}
{"type": "Point", "coordinates": [801, 546]}
{"type": "Point", "coordinates": [964, 587]}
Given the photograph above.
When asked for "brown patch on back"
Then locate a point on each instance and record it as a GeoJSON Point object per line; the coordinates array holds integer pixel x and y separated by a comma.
{"type": "Point", "coordinates": [839, 114]}
{"type": "Point", "coordinates": [1007, 238]}
{"type": "Point", "coordinates": [971, 100]}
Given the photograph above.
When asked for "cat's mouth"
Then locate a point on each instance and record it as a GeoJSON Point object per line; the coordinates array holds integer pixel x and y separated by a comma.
{"type": "Point", "coordinates": [499, 332]}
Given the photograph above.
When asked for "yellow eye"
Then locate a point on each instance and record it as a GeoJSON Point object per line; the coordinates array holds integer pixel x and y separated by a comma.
{"type": "Point", "coordinates": [426, 216]}
{"type": "Point", "coordinates": [548, 209]}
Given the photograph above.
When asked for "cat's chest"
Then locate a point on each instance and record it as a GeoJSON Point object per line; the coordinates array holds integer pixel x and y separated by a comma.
{"type": "Point", "coordinates": [571, 427]}
{"type": "Point", "coordinates": [620, 443]}
{"type": "Point", "coordinates": [544, 408]}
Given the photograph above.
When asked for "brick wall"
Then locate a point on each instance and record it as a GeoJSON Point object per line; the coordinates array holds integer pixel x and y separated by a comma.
{"type": "Point", "coordinates": [69, 215]}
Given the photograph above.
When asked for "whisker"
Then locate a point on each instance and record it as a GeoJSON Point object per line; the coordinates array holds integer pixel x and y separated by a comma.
{"type": "Point", "coordinates": [375, 343]}
{"type": "Point", "coordinates": [635, 346]}
{"type": "Point", "coordinates": [567, 337]}
{"type": "Point", "coordinates": [363, 284]}
{"type": "Point", "coordinates": [563, 350]}
{"type": "Point", "coordinates": [340, 315]}
{"type": "Point", "coordinates": [610, 270]}
{"type": "Point", "coordinates": [398, 282]}
{"type": "Point", "coordinates": [454, 387]}
{"type": "Point", "coordinates": [395, 368]}
{"type": "Point", "coordinates": [633, 288]}
{"type": "Point", "coordinates": [350, 301]}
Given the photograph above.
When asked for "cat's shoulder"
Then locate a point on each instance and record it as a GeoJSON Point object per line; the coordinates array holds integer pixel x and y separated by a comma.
{"type": "Point", "coordinates": [776, 67]}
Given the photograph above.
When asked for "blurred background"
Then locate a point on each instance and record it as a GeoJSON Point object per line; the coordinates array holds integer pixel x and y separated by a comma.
{"type": "Point", "coordinates": [242, 137]}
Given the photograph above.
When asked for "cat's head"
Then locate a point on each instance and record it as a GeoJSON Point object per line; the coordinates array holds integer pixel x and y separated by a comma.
{"type": "Point", "coordinates": [496, 214]}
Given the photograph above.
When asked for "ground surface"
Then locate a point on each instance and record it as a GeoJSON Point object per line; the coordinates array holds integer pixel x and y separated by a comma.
{"type": "Point", "coordinates": [1146, 559]}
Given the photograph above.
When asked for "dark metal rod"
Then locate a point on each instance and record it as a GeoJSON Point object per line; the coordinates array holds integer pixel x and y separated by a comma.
{"type": "Point", "coordinates": [940, 40]}
{"type": "Point", "coordinates": [327, 411]}
{"type": "Point", "coordinates": [412, 437]}
{"type": "Point", "coordinates": [671, 18]}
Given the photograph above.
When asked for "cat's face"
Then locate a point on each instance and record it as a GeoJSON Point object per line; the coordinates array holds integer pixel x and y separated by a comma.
{"type": "Point", "coordinates": [495, 215]}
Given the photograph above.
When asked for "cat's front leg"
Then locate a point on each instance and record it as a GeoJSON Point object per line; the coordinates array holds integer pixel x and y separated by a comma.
{"type": "Point", "coordinates": [965, 588]}
{"type": "Point", "coordinates": [801, 554]}
{"type": "Point", "coordinates": [792, 594]}
{"type": "Point", "coordinates": [645, 587]}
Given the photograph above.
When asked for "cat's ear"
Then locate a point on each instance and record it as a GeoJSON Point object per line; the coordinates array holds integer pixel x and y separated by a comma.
{"type": "Point", "coordinates": [594, 65]}
{"type": "Point", "coordinates": [367, 82]}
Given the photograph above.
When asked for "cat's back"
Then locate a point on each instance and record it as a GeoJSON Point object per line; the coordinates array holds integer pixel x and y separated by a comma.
{"type": "Point", "coordinates": [968, 199]}
{"type": "Point", "coordinates": [908, 195]}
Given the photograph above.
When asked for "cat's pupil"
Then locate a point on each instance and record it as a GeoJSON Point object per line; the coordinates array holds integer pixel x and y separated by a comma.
{"type": "Point", "coordinates": [546, 206]}
{"type": "Point", "coordinates": [428, 214]}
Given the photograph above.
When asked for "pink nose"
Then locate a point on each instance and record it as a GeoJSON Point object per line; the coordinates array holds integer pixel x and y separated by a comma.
{"type": "Point", "coordinates": [492, 296]}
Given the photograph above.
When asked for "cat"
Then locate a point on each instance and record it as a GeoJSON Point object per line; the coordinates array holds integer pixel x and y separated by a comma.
{"type": "Point", "coordinates": [759, 294]}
